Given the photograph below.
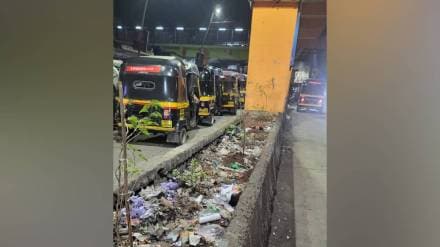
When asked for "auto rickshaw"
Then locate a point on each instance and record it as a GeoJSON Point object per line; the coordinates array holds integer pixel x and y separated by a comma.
{"type": "Point", "coordinates": [242, 89]}
{"type": "Point", "coordinates": [311, 96]}
{"type": "Point", "coordinates": [229, 89]}
{"type": "Point", "coordinates": [165, 81]}
{"type": "Point", "coordinates": [209, 80]}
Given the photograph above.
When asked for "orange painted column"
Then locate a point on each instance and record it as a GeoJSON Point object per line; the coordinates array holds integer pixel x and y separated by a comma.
{"type": "Point", "coordinates": [271, 41]}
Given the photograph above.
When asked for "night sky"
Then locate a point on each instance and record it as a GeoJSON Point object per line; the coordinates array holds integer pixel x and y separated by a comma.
{"type": "Point", "coordinates": [186, 13]}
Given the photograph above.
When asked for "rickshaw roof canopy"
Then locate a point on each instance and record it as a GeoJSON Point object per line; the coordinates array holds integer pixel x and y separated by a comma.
{"type": "Point", "coordinates": [156, 60]}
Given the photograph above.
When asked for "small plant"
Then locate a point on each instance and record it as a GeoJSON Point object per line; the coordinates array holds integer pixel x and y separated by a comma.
{"type": "Point", "coordinates": [149, 115]}
{"type": "Point", "coordinates": [232, 130]}
{"type": "Point", "coordinates": [191, 176]}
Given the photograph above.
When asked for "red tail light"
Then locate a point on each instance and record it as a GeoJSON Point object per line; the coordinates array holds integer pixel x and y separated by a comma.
{"type": "Point", "coordinates": [302, 99]}
{"type": "Point", "coordinates": [147, 68]}
{"type": "Point", "coordinates": [166, 114]}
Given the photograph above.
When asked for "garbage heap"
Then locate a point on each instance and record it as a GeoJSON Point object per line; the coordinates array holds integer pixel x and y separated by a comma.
{"type": "Point", "coordinates": [193, 204]}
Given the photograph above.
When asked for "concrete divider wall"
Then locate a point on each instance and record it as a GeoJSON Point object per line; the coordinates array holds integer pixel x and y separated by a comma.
{"type": "Point", "coordinates": [251, 224]}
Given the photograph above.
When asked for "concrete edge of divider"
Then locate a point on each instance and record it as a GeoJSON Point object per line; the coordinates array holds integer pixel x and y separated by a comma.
{"type": "Point", "coordinates": [179, 155]}
{"type": "Point", "coordinates": [251, 223]}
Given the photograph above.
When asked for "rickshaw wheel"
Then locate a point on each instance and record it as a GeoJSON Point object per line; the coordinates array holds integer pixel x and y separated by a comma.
{"type": "Point", "coordinates": [182, 136]}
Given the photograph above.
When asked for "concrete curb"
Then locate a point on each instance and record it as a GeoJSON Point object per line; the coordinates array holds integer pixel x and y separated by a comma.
{"type": "Point", "coordinates": [251, 224]}
{"type": "Point", "coordinates": [178, 155]}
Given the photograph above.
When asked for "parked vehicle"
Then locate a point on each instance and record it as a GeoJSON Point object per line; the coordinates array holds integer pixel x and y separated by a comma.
{"type": "Point", "coordinates": [311, 96]}
{"type": "Point", "coordinates": [209, 88]}
{"type": "Point", "coordinates": [242, 89]}
{"type": "Point", "coordinates": [229, 88]}
{"type": "Point", "coordinates": [168, 82]}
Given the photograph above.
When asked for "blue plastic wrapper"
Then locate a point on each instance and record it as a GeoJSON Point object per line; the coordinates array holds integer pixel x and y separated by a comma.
{"type": "Point", "coordinates": [139, 209]}
{"type": "Point", "coordinates": [167, 186]}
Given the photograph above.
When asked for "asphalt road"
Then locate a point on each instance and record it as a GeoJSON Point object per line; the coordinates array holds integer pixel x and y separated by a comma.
{"type": "Point", "coordinates": [299, 217]}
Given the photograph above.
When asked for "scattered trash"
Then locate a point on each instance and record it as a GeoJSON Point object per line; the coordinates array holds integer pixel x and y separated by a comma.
{"type": "Point", "coordinates": [208, 217]}
{"type": "Point", "coordinates": [228, 208]}
{"type": "Point", "coordinates": [140, 237]}
{"type": "Point", "coordinates": [139, 209]}
{"type": "Point", "coordinates": [256, 151]}
{"type": "Point", "coordinates": [211, 232]}
{"type": "Point", "coordinates": [194, 240]}
{"type": "Point", "coordinates": [229, 194]}
{"type": "Point", "coordinates": [225, 213]}
{"type": "Point", "coordinates": [199, 199]}
{"type": "Point", "coordinates": [123, 230]}
{"type": "Point", "coordinates": [150, 192]}
{"type": "Point", "coordinates": [174, 235]}
{"type": "Point", "coordinates": [192, 205]}
{"type": "Point", "coordinates": [235, 165]}
{"type": "Point", "coordinates": [166, 202]}
{"type": "Point", "coordinates": [167, 186]}
{"type": "Point", "coordinates": [184, 237]}
{"type": "Point", "coordinates": [223, 151]}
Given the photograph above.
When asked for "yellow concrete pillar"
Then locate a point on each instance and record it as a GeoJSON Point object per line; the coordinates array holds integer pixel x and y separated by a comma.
{"type": "Point", "coordinates": [271, 41]}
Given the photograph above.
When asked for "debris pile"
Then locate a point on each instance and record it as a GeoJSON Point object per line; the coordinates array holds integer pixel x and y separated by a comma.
{"type": "Point", "coordinates": [195, 202]}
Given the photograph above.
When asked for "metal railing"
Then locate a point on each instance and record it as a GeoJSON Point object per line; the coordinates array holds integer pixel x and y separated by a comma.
{"type": "Point", "coordinates": [194, 36]}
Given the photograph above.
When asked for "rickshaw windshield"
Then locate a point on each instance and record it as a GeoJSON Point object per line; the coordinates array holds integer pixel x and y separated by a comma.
{"type": "Point", "coordinates": [206, 87]}
{"type": "Point", "coordinates": [228, 86]}
{"type": "Point", "coordinates": [151, 87]}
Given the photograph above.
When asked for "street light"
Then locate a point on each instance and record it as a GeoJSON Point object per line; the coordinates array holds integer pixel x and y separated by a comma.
{"type": "Point", "coordinates": [239, 29]}
{"type": "Point", "coordinates": [138, 27]}
{"type": "Point", "coordinates": [179, 28]}
{"type": "Point", "coordinates": [119, 27]}
{"type": "Point", "coordinates": [215, 12]}
{"type": "Point", "coordinates": [218, 10]}
{"type": "Point", "coordinates": [159, 28]}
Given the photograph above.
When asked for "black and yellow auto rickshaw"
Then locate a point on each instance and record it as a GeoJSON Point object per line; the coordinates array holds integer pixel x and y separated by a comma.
{"type": "Point", "coordinates": [229, 89]}
{"type": "Point", "coordinates": [209, 81]}
{"type": "Point", "coordinates": [242, 89]}
{"type": "Point", "coordinates": [165, 81]}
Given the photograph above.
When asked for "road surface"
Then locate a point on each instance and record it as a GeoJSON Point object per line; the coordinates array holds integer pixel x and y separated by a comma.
{"type": "Point", "coordinates": [299, 217]}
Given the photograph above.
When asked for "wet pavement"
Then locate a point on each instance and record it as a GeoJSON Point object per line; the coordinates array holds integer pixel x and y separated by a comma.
{"type": "Point", "coordinates": [299, 215]}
